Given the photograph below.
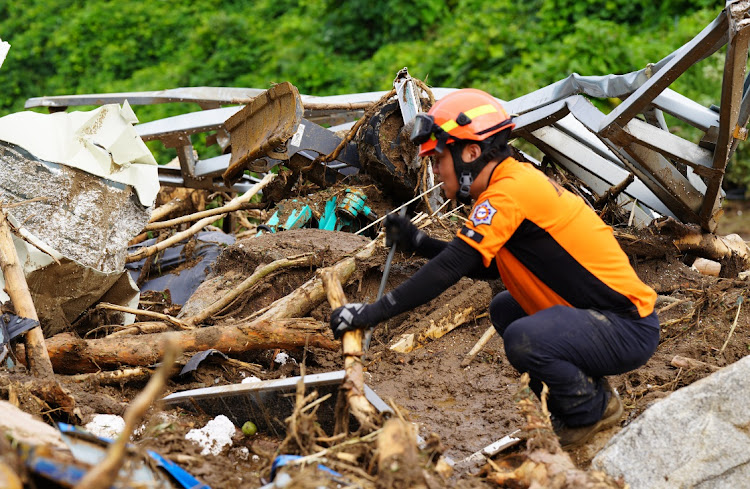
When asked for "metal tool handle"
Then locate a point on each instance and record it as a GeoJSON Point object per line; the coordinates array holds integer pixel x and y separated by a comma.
{"type": "Point", "coordinates": [383, 281]}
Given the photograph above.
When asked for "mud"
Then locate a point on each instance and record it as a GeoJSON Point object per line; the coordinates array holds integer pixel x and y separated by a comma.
{"type": "Point", "coordinates": [469, 408]}
{"type": "Point", "coordinates": [466, 408]}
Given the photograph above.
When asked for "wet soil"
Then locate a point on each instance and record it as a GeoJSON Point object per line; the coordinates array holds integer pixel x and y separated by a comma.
{"type": "Point", "coordinates": [469, 408]}
{"type": "Point", "coordinates": [466, 407]}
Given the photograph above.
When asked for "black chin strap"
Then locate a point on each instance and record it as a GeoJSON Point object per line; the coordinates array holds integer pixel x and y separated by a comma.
{"type": "Point", "coordinates": [495, 148]}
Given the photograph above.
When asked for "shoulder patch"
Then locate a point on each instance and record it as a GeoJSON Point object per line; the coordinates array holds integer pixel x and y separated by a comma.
{"type": "Point", "coordinates": [483, 213]}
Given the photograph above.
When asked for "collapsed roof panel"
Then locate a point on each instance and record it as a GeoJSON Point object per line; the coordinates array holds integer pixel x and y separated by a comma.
{"type": "Point", "coordinates": [647, 148]}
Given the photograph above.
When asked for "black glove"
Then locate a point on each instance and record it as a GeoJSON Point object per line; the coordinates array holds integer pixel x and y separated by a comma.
{"type": "Point", "coordinates": [402, 232]}
{"type": "Point", "coordinates": [348, 318]}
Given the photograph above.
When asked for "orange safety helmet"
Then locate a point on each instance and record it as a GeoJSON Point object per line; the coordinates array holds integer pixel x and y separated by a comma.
{"type": "Point", "coordinates": [464, 115]}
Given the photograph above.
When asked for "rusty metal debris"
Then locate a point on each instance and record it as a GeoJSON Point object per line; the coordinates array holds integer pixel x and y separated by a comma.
{"type": "Point", "coordinates": [262, 128]}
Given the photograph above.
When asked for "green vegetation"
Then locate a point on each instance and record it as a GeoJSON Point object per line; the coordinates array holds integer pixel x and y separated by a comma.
{"type": "Point", "coordinates": [325, 47]}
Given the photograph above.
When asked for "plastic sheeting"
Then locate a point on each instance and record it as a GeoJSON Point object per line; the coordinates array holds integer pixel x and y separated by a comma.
{"type": "Point", "coordinates": [180, 281]}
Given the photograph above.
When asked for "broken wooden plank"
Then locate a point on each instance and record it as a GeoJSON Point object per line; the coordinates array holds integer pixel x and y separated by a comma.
{"type": "Point", "coordinates": [230, 296]}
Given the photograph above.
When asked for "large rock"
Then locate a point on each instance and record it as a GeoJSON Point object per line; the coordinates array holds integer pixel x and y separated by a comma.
{"type": "Point", "coordinates": [698, 437]}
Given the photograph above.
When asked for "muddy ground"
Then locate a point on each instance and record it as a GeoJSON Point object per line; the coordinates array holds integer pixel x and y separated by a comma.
{"type": "Point", "coordinates": [467, 408]}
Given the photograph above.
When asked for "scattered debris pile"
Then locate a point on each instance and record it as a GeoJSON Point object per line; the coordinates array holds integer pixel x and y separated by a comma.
{"type": "Point", "coordinates": [228, 267]}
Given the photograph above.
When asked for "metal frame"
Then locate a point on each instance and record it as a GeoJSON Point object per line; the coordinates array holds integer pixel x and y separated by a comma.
{"type": "Point", "coordinates": [674, 176]}
{"type": "Point", "coordinates": [646, 147]}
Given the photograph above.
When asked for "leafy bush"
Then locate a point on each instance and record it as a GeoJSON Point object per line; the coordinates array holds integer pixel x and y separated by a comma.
{"type": "Point", "coordinates": [334, 46]}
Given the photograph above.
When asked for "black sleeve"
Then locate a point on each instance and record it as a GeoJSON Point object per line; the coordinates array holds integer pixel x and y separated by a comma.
{"type": "Point", "coordinates": [485, 273]}
{"type": "Point", "coordinates": [430, 247]}
{"type": "Point", "coordinates": [457, 260]}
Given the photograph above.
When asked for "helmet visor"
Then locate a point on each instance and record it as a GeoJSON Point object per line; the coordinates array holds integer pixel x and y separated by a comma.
{"type": "Point", "coordinates": [430, 137]}
{"type": "Point", "coordinates": [424, 128]}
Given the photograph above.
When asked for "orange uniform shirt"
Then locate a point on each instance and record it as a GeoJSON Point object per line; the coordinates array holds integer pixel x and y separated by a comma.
{"type": "Point", "coordinates": [550, 247]}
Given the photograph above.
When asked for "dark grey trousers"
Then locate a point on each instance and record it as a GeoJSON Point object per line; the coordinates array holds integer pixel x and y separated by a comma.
{"type": "Point", "coordinates": [571, 350]}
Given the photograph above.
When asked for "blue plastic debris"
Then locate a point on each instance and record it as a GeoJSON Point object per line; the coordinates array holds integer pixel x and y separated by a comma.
{"type": "Point", "coordinates": [336, 216]}
{"type": "Point", "coordinates": [328, 219]}
{"type": "Point", "coordinates": [179, 474]}
{"type": "Point", "coordinates": [353, 205]}
{"type": "Point", "coordinates": [297, 220]}
{"type": "Point", "coordinates": [269, 226]}
{"type": "Point", "coordinates": [88, 450]}
{"type": "Point", "coordinates": [283, 460]}
{"type": "Point", "coordinates": [66, 474]}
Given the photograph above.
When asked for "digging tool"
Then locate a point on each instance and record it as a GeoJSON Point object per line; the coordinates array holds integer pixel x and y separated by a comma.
{"type": "Point", "coordinates": [383, 281]}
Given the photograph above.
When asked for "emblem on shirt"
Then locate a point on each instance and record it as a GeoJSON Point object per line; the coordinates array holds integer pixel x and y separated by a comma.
{"type": "Point", "coordinates": [483, 213]}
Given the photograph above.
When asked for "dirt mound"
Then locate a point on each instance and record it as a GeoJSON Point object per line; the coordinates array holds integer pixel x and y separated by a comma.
{"type": "Point", "coordinates": [467, 408]}
{"type": "Point", "coordinates": [239, 261]}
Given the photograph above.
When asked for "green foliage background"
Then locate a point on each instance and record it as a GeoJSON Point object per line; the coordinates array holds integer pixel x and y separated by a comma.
{"type": "Point", "coordinates": [507, 47]}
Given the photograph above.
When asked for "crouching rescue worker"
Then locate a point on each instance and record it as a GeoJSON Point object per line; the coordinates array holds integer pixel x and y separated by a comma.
{"type": "Point", "coordinates": [574, 310]}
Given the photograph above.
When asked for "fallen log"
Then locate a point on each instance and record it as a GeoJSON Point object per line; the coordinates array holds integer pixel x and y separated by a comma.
{"type": "Point", "coordinates": [260, 273]}
{"type": "Point", "coordinates": [669, 237]}
{"type": "Point", "coordinates": [354, 381]}
{"type": "Point", "coordinates": [448, 317]}
{"type": "Point", "coordinates": [713, 247]}
{"type": "Point", "coordinates": [73, 355]}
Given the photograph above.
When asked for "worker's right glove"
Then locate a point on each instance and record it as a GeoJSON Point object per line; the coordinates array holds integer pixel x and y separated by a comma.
{"type": "Point", "coordinates": [402, 232]}
{"type": "Point", "coordinates": [348, 318]}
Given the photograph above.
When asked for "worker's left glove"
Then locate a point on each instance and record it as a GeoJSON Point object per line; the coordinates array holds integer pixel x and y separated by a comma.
{"type": "Point", "coordinates": [348, 318]}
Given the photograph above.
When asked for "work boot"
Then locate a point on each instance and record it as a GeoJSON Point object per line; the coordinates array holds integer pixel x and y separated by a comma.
{"type": "Point", "coordinates": [571, 437]}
